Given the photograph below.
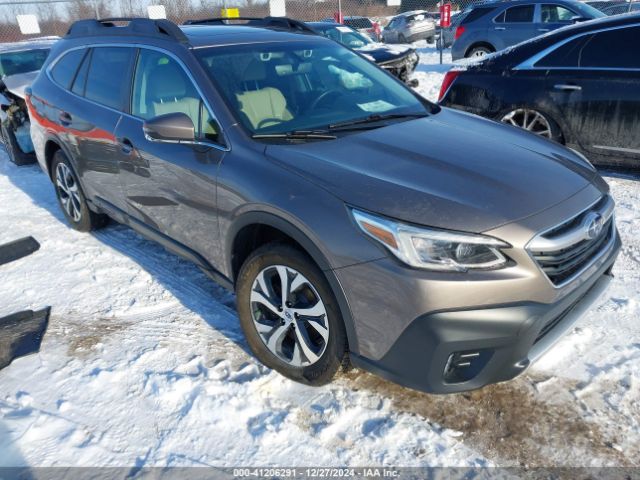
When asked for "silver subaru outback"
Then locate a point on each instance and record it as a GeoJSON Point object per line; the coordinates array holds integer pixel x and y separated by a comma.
{"type": "Point", "coordinates": [354, 219]}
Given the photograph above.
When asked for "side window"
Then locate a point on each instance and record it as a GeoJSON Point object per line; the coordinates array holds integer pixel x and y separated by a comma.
{"type": "Point", "coordinates": [161, 86]}
{"type": "Point", "coordinates": [599, 53]}
{"type": "Point", "coordinates": [65, 69]}
{"type": "Point", "coordinates": [556, 14]}
{"type": "Point", "coordinates": [106, 78]}
{"type": "Point", "coordinates": [521, 14]}
{"type": "Point", "coordinates": [565, 56]}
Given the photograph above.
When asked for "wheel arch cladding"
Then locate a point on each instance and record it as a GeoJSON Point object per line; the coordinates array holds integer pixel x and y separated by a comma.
{"type": "Point", "coordinates": [254, 229]}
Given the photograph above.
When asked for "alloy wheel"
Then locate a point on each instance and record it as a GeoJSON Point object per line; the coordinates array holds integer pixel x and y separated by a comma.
{"type": "Point", "coordinates": [289, 315]}
{"type": "Point", "coordinates": [68, 192]}
{"type": "Point", "coordinates": [530, 120]}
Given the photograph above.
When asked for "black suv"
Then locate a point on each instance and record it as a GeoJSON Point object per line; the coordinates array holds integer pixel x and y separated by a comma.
{"type": "Point", "coordinates": [353, 218]}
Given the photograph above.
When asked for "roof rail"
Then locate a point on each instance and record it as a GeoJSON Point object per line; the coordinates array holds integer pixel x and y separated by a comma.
{"type": "Point", "coordinates": [275, 23]}
{"type": "Point", "coordinates": [146, 27]}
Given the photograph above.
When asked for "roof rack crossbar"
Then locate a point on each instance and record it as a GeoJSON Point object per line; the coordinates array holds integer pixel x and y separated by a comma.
{"type": "Point", "coordinates": [135, 26]}
{"type": "Point", "coordinates": [276, 23]}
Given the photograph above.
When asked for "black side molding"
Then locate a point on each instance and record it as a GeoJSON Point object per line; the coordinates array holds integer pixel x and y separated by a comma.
{"type": "Point", "coordinates": [12, 251]}
{"type": "Point", "coordinates": [21, 334]}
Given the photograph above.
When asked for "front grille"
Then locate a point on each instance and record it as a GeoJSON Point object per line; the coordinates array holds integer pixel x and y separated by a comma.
{"type": "Point", "coordinates": [567, 249]}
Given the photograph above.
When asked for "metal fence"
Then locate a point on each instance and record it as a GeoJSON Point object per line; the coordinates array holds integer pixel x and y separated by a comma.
{"type": "Point", "coordinates": [21, 20]}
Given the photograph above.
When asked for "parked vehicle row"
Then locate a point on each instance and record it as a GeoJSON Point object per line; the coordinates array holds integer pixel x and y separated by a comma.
{"type": "Point", "coordinates": [355, 220]}
{"type": "Point", "coordinates": [579, 86]}
{"type": "Point", "coordinates": [398, 60]}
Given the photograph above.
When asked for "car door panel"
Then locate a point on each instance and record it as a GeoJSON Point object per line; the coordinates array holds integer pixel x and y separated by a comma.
{"type": "Point", "coordinates": [98, 153]}
{"type": "Point", "coordinates": [170, 186]}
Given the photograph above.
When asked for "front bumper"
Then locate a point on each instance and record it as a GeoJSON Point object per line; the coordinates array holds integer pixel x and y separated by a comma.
{"type": "Point", "coordinates": [402, 67]}
{"type": "Point", "coordinates": [499, 327]}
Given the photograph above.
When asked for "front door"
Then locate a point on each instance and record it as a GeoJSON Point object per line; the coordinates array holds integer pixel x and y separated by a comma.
{"type": "Point", "coordinates": [171, 187]}
{"type": "Point", "coordinates": [512, 26]}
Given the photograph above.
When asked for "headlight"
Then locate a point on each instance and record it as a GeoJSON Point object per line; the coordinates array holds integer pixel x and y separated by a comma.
{"type": "Point", "coordinates": [433, 249]}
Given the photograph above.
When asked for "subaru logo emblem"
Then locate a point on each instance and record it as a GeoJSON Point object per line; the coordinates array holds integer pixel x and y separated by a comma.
{"type": "Point", "coordinates": [287, 314]}
{"type": "Point", "coordinates": [594, 225]}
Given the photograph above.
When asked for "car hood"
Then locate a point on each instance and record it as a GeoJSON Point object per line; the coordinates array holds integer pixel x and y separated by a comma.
{"type": "Point", "coordinates": [382, 53]}
{"type": "Point", "coordinates": [17, 83]}
{"type": "Point", "coordinates": [450, 170]}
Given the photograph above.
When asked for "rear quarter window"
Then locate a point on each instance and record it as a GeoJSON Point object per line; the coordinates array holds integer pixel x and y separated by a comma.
{"type": "Point", "coordinates": [65, 68]}
{"type": "Point", "coordinates": [476, 14]}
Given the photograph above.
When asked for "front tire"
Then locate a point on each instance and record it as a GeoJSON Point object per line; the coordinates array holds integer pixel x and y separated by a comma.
{"type": "Point", "coordinates": [299, 334]}
{"type": "Point", "coordinates": [71, 197]}
{"type": "Point", "coordinates": [533, 121]}
{"type": "Point", "coordinates": [16, 155]}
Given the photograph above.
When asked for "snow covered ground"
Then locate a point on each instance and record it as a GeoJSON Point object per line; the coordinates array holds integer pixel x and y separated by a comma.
{"type": "Point", "coordinates": [144, 364]}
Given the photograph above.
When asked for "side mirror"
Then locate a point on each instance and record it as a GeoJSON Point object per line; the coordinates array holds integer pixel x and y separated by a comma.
{"type": "Point", "coordinates": [578, 19]}
{"type": "Point", "coordinates": [172, 127]}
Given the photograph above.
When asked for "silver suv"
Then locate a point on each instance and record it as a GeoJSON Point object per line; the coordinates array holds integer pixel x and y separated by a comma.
{"type": "Point", "coordinates": [410, 27]}
{"type": "Point", "coordinates": [354, 219]}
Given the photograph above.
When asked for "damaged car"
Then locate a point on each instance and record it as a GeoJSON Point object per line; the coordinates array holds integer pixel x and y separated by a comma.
{"type": "Point", "coordinates": [400, 61]}
{"type": "Point", "coordinates": [20, 63]}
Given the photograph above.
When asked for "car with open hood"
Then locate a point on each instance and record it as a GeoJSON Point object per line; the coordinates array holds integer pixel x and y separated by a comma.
{"type": "Point", "coordinates": [399, 60]}
{"type": "Point", "coordinates": [19, 65]}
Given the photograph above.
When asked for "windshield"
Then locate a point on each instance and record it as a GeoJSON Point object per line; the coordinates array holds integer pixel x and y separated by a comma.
{"type": "Point", "coordinates": [346, 36]}
{"type": "Point", "coordinates": [285, 87]}
{"type": "Point", "coordinates": [12, 63]}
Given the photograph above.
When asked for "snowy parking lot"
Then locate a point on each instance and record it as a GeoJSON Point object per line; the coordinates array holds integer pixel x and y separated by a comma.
{"type": "Point", "coordinates": [144, 364]}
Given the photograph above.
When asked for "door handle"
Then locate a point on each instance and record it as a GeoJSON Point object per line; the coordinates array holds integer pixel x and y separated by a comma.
{"type": "Point", "coordinates": [65, 118]}
{"type": "Point", "coordinates": [500, 28]}
{"type": "Point", "coordinates": [567, 88]}
{"type": "Point", "coordinates": [125, 145]}
{"type": "Point", "coordinates": [543, 29]}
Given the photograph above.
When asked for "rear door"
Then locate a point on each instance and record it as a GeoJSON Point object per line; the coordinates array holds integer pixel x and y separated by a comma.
{"type": "Point", "coordinates": [597, 88]}
{"type": "Point", "coordinates": [170, 187]}
{"type": "Point", "coordinates": [513, 25]}
{"type": "Point", "coordinates": [102, 82]}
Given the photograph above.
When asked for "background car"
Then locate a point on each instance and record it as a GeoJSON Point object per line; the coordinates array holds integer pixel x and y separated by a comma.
{"type": "Point", "coordinates": [570, 86]}
{"type": "Point", "coordinates": [409, 27]}
{"type": "Point", "coordinates": [398, 60]}
{"type": "Point", "coordinates": [361, 24]}
{"type": "Point", "coordinates": [495, 26]}
{"type": "Point", "coordinates": [19, 65]}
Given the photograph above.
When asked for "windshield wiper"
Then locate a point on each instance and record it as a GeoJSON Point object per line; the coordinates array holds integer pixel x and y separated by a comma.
{"type": "Point", "coordinates": [297, 135]}
{"type": "Point", "coordinates": [374, 119]}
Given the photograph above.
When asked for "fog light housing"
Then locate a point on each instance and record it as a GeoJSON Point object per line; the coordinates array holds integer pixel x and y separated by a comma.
{"type": "Point", "coordinates": [465, 365]}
